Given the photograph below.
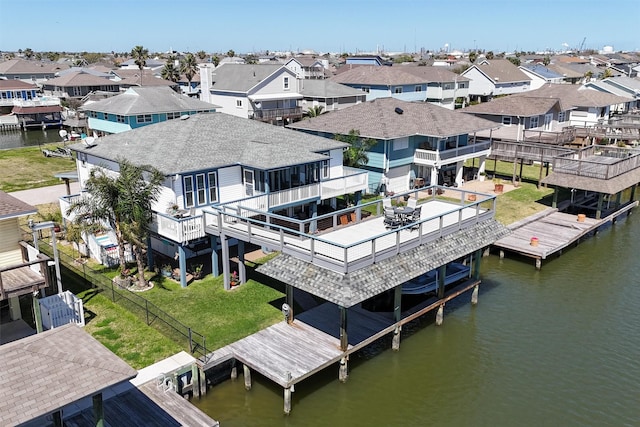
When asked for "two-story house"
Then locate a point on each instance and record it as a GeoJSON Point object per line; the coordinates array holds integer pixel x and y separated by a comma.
{"type": "Point", "coordinates": [307, 67]}
{"type": "Point", "coordinates": [22, 105]}
{"type": "Point", "coordinates": [408, 83]}
{"type": "Point", "coordinates": [329, 95]}
{"type": "Point", "coordinates": [621, 86]}
{"type": "Point", "coordinates": [216, 160]}
{"type": "Point", "coordinates": [264, 92]}
{"type": "Point", "coordinates": [490, 78]}
{"type": "Point", "coordinates": [29, 71]}
{"type": "Point", "coordinates": [141, 106]}
{"type": "Point", "coordinates": [417, 144]}
{"type": "Point", "coordinates": [79, 84]}
{"type": "Point", "coordinates": [541, 75]}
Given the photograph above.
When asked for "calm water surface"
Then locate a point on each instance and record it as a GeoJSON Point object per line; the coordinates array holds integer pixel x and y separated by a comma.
{"type": "Point", "coordinates": [18, 138]}
{"type": "Point", "coordinates": [556, 347]}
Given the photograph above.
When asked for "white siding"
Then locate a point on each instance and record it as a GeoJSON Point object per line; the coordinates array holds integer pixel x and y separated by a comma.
{"type": "Point", "coordinates": [230, 184]}
{"type": "Point", "coordinates": [228, 105]}
{"type": "Point", "coordinates": [9, 237]}
{"type": "Point", "coordinates": [335, 163]}
{"type": "Point", "coordinates": [167, 196]}
{"type": "Point", "coordinates": [479, 84]}
{"type": "Point", "coordinates": [399, 179]}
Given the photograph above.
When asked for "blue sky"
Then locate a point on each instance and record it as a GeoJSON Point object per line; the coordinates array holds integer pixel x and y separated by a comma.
{"type": "Point", "coordinates": [323, 25]}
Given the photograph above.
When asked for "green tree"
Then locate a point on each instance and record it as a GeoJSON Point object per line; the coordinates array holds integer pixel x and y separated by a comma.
{"type": "Point", "coordinates": [356, 155]}
{"type": "Point", "coordinates": [216, 60]}
{"type": "Point", "coordinates": [28, 53]}
{"type": "Point", "coordinates": [607, 73]}
{"type": "Point", "coordinates": [315, 111]}
{"type": "Point", "coordinates": [140, 56]}
{"type": "Point", "coordinates": [515, 61]}
{"type": "Point", "coordinates": [189, 67]}
{"type": "Point", "coordinates": [231, 53]}
{"type": "Point", "coordinates": [201, 54]}
{"type": "Point", "coordinates": [473, 55]}
{"type": "Point", "coordinates": [490, 55]}
{"type": "Point", "coordinates": [546, 60]}
{"type": "Point", "coordinates": [170, 72]}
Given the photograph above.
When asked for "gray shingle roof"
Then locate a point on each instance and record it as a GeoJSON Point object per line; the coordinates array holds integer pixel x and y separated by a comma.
{"type": "Point", "coordinates": [515, 106]}
{"type": "Point", "coordinates": [80, 78]}
{"type": "Point", "coordinates": [11, 207]}
{"type": "Point", "coordinates": [573, 96]}
{"type": "Point", "coordinates": [211, 140]}
{"type": "Point", "coordinates": [378, 119]}
{"type": "Point", "coordinates": [242, 77]}
{"type": "Point", "coordinates": [501, 70]}
{"type": "Point", "coordinates": [605, 186]}
{"type": "Point", "coordinates": [353, 288]}
{"type": "Point", "coordinates": [390, 76]}
{"type": "Point", "coordinates": [44, 372]}
{"type": "Point", "coordinates": [154, 99]}
{"type": "Point", "coordinates": [323, 88]}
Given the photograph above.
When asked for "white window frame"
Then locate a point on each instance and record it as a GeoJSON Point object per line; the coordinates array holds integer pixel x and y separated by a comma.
{"type": "Point", "coordinates": [238, 103]}
{"type": "Point", "coordinates": [401, 144]}
{"type": "Point", "coordinates": [506, 121]}
{"type": "Point", "coordinates": [365, 89]}
{"type": "Point", "coordinates": [534, 122]}
{"type": "Point", "coordinates": [189, 195]}
{"type": "Point", "coordinates": [561, 116]}
{"type": "Point", "coordinates": [397, 89]}
{"type": "Point", "coordinates": [144, 118]}
{"type": "Point", "coordinates": [418, 88]}
{"type": "Point", "coordinates": [201, 190]}
{"type": "Point", "coordinates": [285, 83]}
{"type": "Point", "coordinates": [325, 169]}
{"type": "Point", "coordinates": [213, 187]}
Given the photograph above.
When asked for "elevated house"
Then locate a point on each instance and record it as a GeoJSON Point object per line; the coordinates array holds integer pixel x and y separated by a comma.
{"type": "Point", "coordinates": [490, 78]}
{"type": "Point", "coordinates": [265, 92]}
{"type": "Point", "coordinates": [29, 71]}
{"type": "Point", "coordinates": [77, 85]}
{"type": "Point", "coordinates": [621, 86]}
{"type": "Point", "coordinates": [141, 106]}
{"type": "Point", "coordinates": [12, 94]}
{"type": "Point", "coordinates": [417, 144]}
{"type": "Point", "coordinates": [307, 67]}
{"type": "Point", "coordinates": [329, 95]}
{"type": "Point", "coordinates": [407, 83]}
{"type": "Point", "coordinates": [216, 161]}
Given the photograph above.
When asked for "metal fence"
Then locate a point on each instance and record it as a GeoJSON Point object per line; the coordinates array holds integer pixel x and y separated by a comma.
{"type": "Point", "coordinates": [138, 305]}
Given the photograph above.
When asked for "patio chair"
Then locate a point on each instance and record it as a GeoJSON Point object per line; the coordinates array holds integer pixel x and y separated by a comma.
{"type": "Point", "coordinates": [391, 220]}
{"type": "Point", "coordinates": [386, 202]}
{"type": "Point", "coordinates": [415, 216]}
{"type": "Point", "coordinates": [412, 202]}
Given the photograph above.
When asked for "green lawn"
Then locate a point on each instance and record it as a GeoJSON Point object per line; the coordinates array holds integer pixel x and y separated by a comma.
{"type": "Point", "coordinates": [25, 168]}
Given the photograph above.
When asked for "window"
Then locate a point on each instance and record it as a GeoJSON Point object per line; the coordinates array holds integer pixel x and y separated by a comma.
{"type": "Point", "coordinates": [202, 192]}
{"type": "Point", "coordinates": [121, 119]}
{"type": "Point", "coordinates": [418, 88]}
{"type": "Point", "coordinates": [398, 89]}
{"type": "Point", "coordinates": [77, 91]}
{"type": "Point", "coordinates": [506, 120]}
{"type": "Point", "coordinates": [561, 116]}
{"type": "Point", "coordinates": [365, 89]}
{"type": "Point", "coordinates": [105, 116]}
{"type": "Point", "coordinates": [188, 191]}
{"type": "Point", "coordinates": [144, 118]}
{"type": "Point", "coordinates": [174, 115]}
{"type": "Point", "coordinates": [533, 122]}
{"type": "Point", "coordinates": [213, 187]}
{"type": "Point", "coordinates": [447, 86]}
{"type": "Point", "coordinates": [285, 83]}
{"type": "Point", "coordinates": [401, 144]}
{"type": "Point", "coordinates": [239, 103]}
{"type": "Point", "coordinates": [325, 168]}
{"type": "Point", "coordinates": [462, 85]}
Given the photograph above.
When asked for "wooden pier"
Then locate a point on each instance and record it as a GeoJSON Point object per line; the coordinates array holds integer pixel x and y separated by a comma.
{"type": "Point", "coordinates": [550, 232]}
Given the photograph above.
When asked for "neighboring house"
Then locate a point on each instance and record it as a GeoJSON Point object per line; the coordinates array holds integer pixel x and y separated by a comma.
{"type": "Point", "coordinates": [78, 84]}
{"type": "Point", "coordinates": [217, 160]}
{"type": "Point", "coordinates": [585, 107]}
{"type": "Point", "coordinates": [416, 143]}
{"type": "Point", "coordinates": [306, 67]}
{"type": "Point", "coordinates": [11, 90]}
{"type": "Point", "coordinates": [490, 78]}
{"type": "Point", "coordinates": [264, 92]}
{"type": "Point", "coordinates": [134, 77]}
{"type": "Point", "coordinates": [514, 115]}
{"type": "Point", "coordinates": [150, 64]}
{"type": "Point", "coordinates": [621, 86]}
{"type": "Point", "coordinates": [408, 83]}
{"type": "Point", "coordinates": [232, 60]}
{"type": "Point", "coordinates": [573, 73]}
{"type": "Point", "coordinates": [29, 71]}
{"type": "Point", "coordinates": [366, 60]}
{"type": "Point", "coordinates": [329, 95]}
{"type": "Point", "coordinates": [141, 106]}
{"type": "Point", "coordinates": [541, 75]}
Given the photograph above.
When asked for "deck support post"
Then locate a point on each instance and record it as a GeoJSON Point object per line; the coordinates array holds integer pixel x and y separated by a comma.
{"type": "Point", "coordinates": [215, 256]}
{"type": "Point", "coordinates": [440, 315]}
{"type": "Point", "coordinates": [195, 386]}
{"type": "Point", "coordinates": [289, 299]}
{"type": "Point", "coordinates": [538, 263]}
{"type": "Point", "coordinates": [600, 203]}
{"type": "Point", "coordinates": [36, 311]}
{"type": "Point", "coordinates": [98, 410]}
{"type": "Point", "coordinates": [474, 295]}
{"type": "Point", "coordinates": [247, 377]}
{"type": "Point", "coordinates": [501, 253]}
{"type": "Point", "coordinates": [343, 372]}
{"type": "Point", "coordinates": [397, 317]}
{"type": "Point", "coordinates": [344, 338]}
{"type": "Point", "coordinates": [226, 279]}
{"type": "Point", "coordinates": [234, 370]}
{"type": "Point", "coordinates": [202, 381]}
{"type": "Point", "coordinates": [182, 263]}
{"type": "Point", "coordinates": [395, 341]}
{"type": "Point", "coordinates": [242, 270]}
{"type": "Point", "coordinates": [287, 400]}
{"type": "Point", "coordinates": [633, 193]}
{"type": "Point", "coordinates": [477, 262]}
{"type": "Point", "coordinates": [442, 275]}
{"type": "Point", "coordinates": [554, 201]}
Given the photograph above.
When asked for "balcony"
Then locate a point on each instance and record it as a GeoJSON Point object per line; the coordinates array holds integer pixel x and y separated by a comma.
{"type": "Point", "coordinates": [268, 115]}
{"type": "Point", "coordinates": [349, 240]}
{"type": "Point", "coordinates": [438, 158]}
{"type": "Point", "coordinates": [179, 230]}
{"type": "Point", "coordinates": [598, 162]}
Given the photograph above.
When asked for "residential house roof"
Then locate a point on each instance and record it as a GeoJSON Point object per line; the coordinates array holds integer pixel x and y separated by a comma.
{"type": "Point", "coordinates": [13, 84]}
{"type": "Point", "coordinates": [542, 71]}
{"type": "Point", "coordinates": [79, 78]}
{"type": "Point", "coordinates": [347, 290]}
{"type": "Point", "coordinates": [323, 88]}
{"type": "Point", "coordinates": [606, 186]}
{"type": "Point", "coordinates": [92, 71]}
{"type": "Point", "coordinates": [433, 74]}
{"type": "Point", "coordinates": [390, 76]}
{"type": "Point", "coordinates": [131, 77]}
{"type": "Point", "coordinates": [149, 63]}
{"type": "Point", "coordinates": [41, 374]}
{"type": "Point", "coordinates": [11, 207]}
{"type": "Point", "coordinates": [573, 96]}
{"type": "Point", "coordinates": [568, 70]}
{"type": "Point", "coordinates": [211, 140]}
{"type": "Point", "coordinates": [307, 61]}
{"type": "Point", "coordinates": [624, 81]}
{"type": "Point", "coordinates": [500, 70]}
{"type": "Point", "coordinates": [515, 106]}
{"type": "Point", "coordinates": [390, 118]}
{"type": "Point", "coordinates": [146, 100]}
{"type": "Point", "coordinates": [21, 66]}
{"type": "Point", "coordinates": [242, 77]}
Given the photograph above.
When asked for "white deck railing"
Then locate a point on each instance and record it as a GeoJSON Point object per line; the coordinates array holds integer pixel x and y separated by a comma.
{"type": "Point", "coordinates": [430, 157]}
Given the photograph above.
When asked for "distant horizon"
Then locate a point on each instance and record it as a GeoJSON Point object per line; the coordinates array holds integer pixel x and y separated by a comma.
{"type": "Point", "coordinates": [347, 26]}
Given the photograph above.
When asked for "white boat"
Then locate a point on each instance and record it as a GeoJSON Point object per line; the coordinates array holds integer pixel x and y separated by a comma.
{"type": "Point", "coordinates": [428, 282]}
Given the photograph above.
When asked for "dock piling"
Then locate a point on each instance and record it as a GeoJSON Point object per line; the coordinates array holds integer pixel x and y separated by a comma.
{"type": "Point", "coordinates": [440, 315]}
{"type": "Point", "coordinates": [474, 295]}
{"type": "Point", "coordinates": [247, 377]}
{"type": "Point", "coordinates": [395, 342]}
{"type": "Point", "coordinates": [343, 373]}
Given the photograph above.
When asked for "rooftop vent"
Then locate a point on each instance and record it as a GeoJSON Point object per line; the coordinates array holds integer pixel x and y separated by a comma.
{"type": "Point", "coordinates": [399, 110]}
{"type": "Point", "coordinates": [184, 117]}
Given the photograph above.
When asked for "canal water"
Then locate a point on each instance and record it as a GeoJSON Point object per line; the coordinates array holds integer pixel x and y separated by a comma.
{"type": "Point", "coordinates": [19, 138]}
{"type": "Point", "coordinates": [559, 346]}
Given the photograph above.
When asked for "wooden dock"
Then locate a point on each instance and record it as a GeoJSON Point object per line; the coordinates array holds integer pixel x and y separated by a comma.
{"type": "Point", "coordinates": [550, 232]}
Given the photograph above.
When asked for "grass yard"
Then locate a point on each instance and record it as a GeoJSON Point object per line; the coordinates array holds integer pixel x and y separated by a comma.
{"type": "Point", "coordinates": [522, 202]}
{"type": "Point", "coordinates": [25, 168]}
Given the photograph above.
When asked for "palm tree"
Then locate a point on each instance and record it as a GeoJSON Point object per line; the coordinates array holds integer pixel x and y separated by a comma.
{"type": "Point", "coordinates": [28, 52]}
{"type": "Point", "coordinates": [140, 56]}
{"type": "Point", "coordinates": [315, 111]}
{"type": "Point", "coordinates": [356, 155]}
{"type": "Point", "coordinates": [138, 187]}
{"type": "Point", "coordinates": [216, 60]}
{"type": "Point", "coordinates": [189, 67]}
{"type": "Point", "coordinates": [201, 54]}
{"type": "Point", "coordinates": [170, 72]}
{"type": "Point", "coordinates": [231, 53]}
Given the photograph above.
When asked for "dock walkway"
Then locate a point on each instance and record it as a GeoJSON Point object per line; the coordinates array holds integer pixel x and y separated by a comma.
{"type": "Point", "coordinates": [549, 232]}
